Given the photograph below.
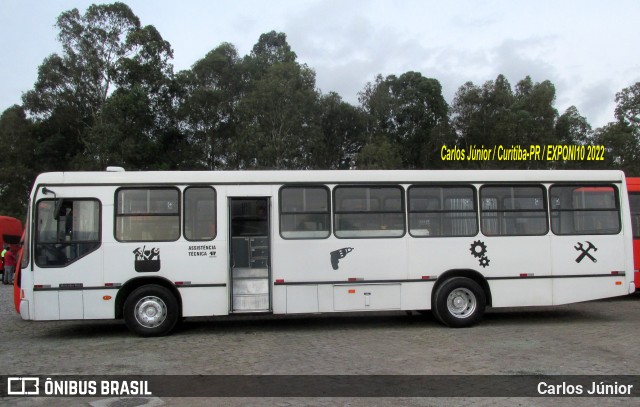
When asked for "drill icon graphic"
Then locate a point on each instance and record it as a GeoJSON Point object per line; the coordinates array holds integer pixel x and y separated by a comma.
{"type": "Point", "coordinates": [336, 255]}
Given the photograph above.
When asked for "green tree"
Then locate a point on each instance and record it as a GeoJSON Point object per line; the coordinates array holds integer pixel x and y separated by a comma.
{"type": "Point", "coordinates": [572, 128]}
{"type": "Point", "coordinates": [622, 149]}
{"type": "Point", "coordinates": [279, 112]}
{"type": "Point", "coordinates": [495, 115]}
{"type": "Point", "coordinates": [104, 49]}
{"type": "Point", "coordinates": [18, 164]}
{"type": "Point", "coordinates": [94, 45]}
{"type": "Point", "coordinates": [483, 116]}
{"type": "Point", "coordinates": [343, 133]}
{"type": "Point", "coordinates": [122, 131]}
{"type": "Point", "coordinates": [271, 49]}
{"type": "Point", "coordinates": [379, 154]}
{"type": "Point", "coordinates": [535, 114]}
{"type": "Point", "coordinates": [622, 137]}
{"type": "Point", "coordinates": [467, 115]}
{"type": "Point", "coordinates": [406, 110]}
{"type": "Point", "coordinates": [628, 106]}
{"type": "Point", "coordinates": [213, 88]}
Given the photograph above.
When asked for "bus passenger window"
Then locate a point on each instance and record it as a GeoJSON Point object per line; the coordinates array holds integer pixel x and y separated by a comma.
{"type": "Point", "coordinates": [436, 211]}
{"type": "Point", "coordinates": [518, 210]}
{"type": "Point", "coordinates": [304, 212]}
{"type": "Point", "coordinates": [634, 203]}
{"type": "Point", "coordinates": [199, 213]}
{"type": "Point", "coordinates": [147, 214]}
{"type": "Point", "coordinates": [584, 210]}
{"type": "Point", "coordinates": [66, 230]}
{"type": "Point", "coordinates": [371, 211]}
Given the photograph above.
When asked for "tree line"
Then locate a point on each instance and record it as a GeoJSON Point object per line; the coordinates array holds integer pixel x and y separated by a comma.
{"type": "Point", "coordinates": [111, 97]}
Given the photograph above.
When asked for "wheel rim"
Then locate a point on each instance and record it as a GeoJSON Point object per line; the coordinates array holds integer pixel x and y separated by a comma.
{"type": "Point", "coordinates": [150, 312]}
{"type": "Point", "coordinates": [461, 303]}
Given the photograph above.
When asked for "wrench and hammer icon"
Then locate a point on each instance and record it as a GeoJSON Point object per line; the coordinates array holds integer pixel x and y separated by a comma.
{"type": "Point", "coordinates": [585, 252]}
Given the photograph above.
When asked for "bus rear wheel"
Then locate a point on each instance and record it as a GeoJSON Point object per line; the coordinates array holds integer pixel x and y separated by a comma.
{"type": "Point", "coordinates": [459, 302]}
{"type": "Point", "coordinates": [151, 310]}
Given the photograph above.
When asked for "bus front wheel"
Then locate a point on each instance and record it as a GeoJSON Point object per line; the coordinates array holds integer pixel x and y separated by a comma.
{"type": "Point", "coordinates": [151, 310]}
{"type": "Point", "coordinates": [459, 302]}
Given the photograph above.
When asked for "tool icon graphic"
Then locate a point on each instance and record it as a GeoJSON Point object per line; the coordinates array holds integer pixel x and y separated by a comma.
{"type": "Point", "coordinates": [336, 255]}
{"type": "Point", "coordinates": [585, 252]}
{"type": "Point", "coordinates": [479, 250]}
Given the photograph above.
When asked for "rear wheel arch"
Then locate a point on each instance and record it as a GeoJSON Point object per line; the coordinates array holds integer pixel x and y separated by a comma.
{"type": "Point", "coordinates": [151, 310]}
{"type": "Point", "coordinates": [135, 283]}
{"type": "Point", "coordinates": [459, 298]}
{"type": "Point", "coordinates": [468, 273]}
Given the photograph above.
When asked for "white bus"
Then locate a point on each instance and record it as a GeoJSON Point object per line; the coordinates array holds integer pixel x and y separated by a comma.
{"type": "Point", "coordinates": [155, 247]}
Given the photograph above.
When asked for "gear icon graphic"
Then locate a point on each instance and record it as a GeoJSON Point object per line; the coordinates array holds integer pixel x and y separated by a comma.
{"type": "Point", "coordinates": [478, 249]}
{"type": "Point", "coordinates": [484, 261]}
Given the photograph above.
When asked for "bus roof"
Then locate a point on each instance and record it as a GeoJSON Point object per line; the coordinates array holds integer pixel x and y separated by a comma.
{"type": "Point", "coordinates": [323, 176]}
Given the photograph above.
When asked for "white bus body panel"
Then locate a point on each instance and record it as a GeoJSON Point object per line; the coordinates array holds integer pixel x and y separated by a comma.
{"type": "Point", "coordinates": [204, 301]}
{"type": "Point", "coordinates": [300, 299]}
{"type": "Point", "coordinates": [511, 258]}
{"type": "Point", "coordinates": [371, 259]}
{"type": "Point", "coordinates": [609, 258]}
{"type": "Point", "coordinates": [62, 295]}
{"type": "Point", "coordinates": [377, 274]}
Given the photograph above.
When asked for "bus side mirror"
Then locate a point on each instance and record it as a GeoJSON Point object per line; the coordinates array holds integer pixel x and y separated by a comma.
{"type": "Point", "coordinates": [59, 205]}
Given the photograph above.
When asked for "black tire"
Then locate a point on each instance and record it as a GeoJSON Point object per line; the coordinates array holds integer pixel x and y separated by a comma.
{"type": "Point", "coordinates": [151, 310]}
{"type": "Point", "coordinates": [459, 302]}
{"type": "Point", "coordinates": [436, 315]}
{"type": "Point", "coordinates": [434, 308]}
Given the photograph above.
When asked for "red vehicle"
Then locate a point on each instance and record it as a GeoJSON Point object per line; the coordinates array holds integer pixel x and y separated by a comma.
{"type": "Point", "coordinates": [10, 233]}
{"type": "Point", "coordinates": [633, 187]}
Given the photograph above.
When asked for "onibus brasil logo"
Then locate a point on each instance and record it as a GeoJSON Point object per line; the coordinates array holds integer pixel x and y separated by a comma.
{"type": "Point", "coordinates": [34, 386]}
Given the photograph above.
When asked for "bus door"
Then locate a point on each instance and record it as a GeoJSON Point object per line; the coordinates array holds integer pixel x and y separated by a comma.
{"type": "Point", "coordinates": [250, 254]}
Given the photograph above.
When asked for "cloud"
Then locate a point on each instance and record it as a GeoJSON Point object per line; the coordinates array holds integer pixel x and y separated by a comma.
{"type": "Point", "coordinates": [347, 48]}
{"type": "Point", "coordinates": [597, 102]}
{"type": "Point", "coordinates": [586, 49]}
{"type": "Point", "coordinates": [517, 59]}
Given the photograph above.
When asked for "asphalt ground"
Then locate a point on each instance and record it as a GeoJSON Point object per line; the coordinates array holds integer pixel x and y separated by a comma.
{"type": "Point", "coordinates": [594, 338]}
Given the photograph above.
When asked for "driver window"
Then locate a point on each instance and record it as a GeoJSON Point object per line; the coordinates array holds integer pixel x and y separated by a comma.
{"type": "Point", "coordinates": [66, 230]}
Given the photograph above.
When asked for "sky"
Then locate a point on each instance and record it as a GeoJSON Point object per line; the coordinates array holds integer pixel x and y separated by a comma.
{"type": "Point", "coordinates": [586, 48]}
